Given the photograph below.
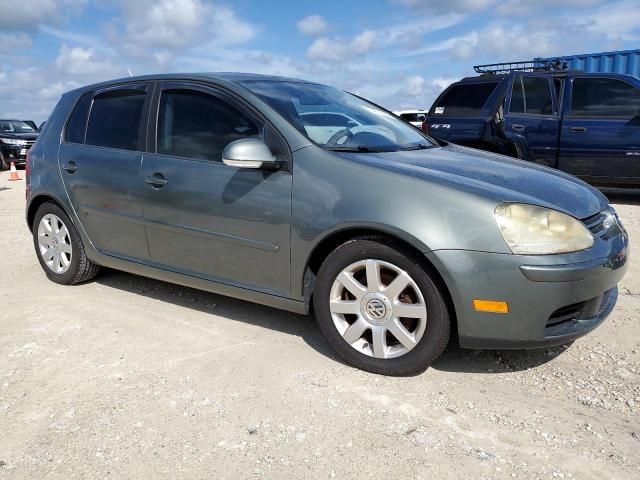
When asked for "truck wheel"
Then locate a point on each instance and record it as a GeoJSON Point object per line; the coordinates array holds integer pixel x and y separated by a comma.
{"type": "Point", "coordinates": [59, 247]}
{"type": "Point", "coordinates": [379, 310]}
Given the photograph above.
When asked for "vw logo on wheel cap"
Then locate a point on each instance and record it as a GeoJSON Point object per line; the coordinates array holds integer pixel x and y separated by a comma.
{"type": "Point", "coordinates": [376, 309]}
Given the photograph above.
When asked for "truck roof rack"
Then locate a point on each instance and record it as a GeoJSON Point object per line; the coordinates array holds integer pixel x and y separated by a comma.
{"type": "Point", "coordinates": [528, 66]}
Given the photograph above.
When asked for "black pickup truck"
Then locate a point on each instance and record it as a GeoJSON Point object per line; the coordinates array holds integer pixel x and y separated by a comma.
{"type": "Point", "coordinates": [587, 124]}
{"type": "Point", "coordinates": [16, 138]}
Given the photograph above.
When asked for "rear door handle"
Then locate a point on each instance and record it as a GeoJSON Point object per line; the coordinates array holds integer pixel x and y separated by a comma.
{"type": "Point", "coordinates": [517, 127]}
{"type": "Point", "coordinates": [578, 129]}
{"type": "Point", "coordinates": [70, 167]}
{"type": "Point", "coordinates": [156, 180]}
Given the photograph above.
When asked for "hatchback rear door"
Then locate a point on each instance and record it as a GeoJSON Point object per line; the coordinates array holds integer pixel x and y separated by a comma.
{"type": "Point", "coordinates": [600, 137]}
{"type": "Point", "coordinates": [205, 218]}
{"type": "Point", "coordinates": [532, 122]}
{"type": "Point", "coordinates": [99, 161]}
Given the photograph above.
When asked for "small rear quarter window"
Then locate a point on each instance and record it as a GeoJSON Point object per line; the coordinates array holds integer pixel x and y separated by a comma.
{"type": "Point", "coordinates": [77, 124]}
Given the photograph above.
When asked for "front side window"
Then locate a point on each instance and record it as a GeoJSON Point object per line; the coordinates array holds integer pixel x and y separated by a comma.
{"type": "Point", "coordinates": [198, 125]}
{"type": "Point", "coordinates": [604, 97]}
{"type": "Point", "coordinates": [531, 95]}
{"type": "Point", "coordinates": [467, 99]}
{"type": "Point", "coordinates": [336, 120]}
{"type": "Point", "coordinates": [114, 120]}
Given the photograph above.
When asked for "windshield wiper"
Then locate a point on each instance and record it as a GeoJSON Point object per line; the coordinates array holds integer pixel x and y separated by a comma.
{"type": "Point", "coordinates": [359, 148]}
{"type": "Point", "coordinates": [421, 146]}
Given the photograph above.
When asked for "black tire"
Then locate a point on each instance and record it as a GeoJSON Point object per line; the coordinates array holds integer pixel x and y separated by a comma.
{"type": "Point", "coordinates": [437, 331]}
{"type": "Point", "coordinates": [81, 268]}
{"type": "Point", "coordinates": [3, 163]}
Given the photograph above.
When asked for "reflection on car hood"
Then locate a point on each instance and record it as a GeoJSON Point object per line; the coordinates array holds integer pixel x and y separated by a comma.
{"type": "Point", "coordinates": [503, 178]}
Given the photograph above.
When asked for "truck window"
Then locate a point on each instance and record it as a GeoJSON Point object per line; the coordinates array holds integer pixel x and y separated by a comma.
{"type": "Point", "coordinates": [465, 99]}
{"type": "Point", "coordinates": [531, 95]}
{"type": "Point", "coordinates": [604, 97]}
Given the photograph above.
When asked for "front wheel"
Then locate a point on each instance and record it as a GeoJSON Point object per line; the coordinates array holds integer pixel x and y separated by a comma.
{"type": "Point", "coordinates": [3, 163]}
{"type": "Point", "coordinates": [59, 247]}
{"type": "Point", "coordinates": [379, 308]}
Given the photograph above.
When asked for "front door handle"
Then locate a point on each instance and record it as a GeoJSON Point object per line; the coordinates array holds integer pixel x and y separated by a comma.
{"type": "Point", "coordinates": [517, 127]}
{"type": "Point", "coordinates": [156, 180]}
{"type": "Point", "coordinates": [578, 129]}
{"type": "Point", "coordinates": [70, 167]}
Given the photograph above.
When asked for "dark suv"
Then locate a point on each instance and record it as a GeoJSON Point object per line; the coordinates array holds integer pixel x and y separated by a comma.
{"type": "Point", "coordinates": [217, 182]}
{"type": "Point", "coordinates": [587, 124]}
{"type": "Point", "coordinates": [16, 138]}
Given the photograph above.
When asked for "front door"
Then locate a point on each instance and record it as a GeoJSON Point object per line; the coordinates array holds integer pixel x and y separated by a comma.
{"type": "Point", "coordinates": [532, 122]}
{"type": "Point", "coordinates": [205, 218]}
{"type": "Point", "coordinates": [601, 130]}
{"type": "Point", "coordinates": [99, 161]}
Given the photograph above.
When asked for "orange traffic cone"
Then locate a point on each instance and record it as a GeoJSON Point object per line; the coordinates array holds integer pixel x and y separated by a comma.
{"type": "Point", "coordinates": [13, 174]}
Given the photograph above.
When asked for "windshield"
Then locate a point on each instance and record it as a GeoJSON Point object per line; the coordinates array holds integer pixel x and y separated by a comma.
{"type": "Point", "coordinates": [15, 126]}
{"type": "Point", "coordinates": [336, 120]}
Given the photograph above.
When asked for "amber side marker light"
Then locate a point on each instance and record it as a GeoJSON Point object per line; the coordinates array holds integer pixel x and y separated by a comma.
{"type": "Point", "coordinates": [490, 306]}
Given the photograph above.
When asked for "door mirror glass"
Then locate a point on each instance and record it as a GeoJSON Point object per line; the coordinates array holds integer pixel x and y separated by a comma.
{"type": "Point", "coordinates": [249, 153]}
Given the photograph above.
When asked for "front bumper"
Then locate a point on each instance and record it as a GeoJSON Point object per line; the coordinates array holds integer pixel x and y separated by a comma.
{"type": "Point", "coordinates": [15, 153]}
{"type": "Point", "coordinates": [553, 299]}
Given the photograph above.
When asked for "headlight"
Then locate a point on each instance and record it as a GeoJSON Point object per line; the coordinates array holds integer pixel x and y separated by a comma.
{"type": "Point", "coordinates": [532, 230]}
{"type": "Point", "coordinates": [13, 141]}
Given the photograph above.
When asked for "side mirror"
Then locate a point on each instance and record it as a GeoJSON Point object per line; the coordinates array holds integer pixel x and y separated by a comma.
{"type": "Point", "coordinates": [249, 153]}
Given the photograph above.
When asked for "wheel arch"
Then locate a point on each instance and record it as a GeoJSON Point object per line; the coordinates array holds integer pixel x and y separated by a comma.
{"type": "Point", "coordinates": [37, 202]}
{"type": "Point", "coordinates": [334, 239]}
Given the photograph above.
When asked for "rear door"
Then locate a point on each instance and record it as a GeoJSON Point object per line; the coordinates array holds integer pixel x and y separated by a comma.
{"type": "Point", "coordinates": [205, 218]}
{"type": "Point", "coordinates": [532, 122]}
{"type": "Point", "coordinates": [99, 160]}
{"type": "Point", "coordinates": [601, 129]}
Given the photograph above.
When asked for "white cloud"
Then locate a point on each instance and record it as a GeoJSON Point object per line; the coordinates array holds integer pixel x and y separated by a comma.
{"type": "Point", "coordinates": [175, 25]}
{"type": "Point", "coordinates": [341, 50]}
{"type": "Point", "coordinates": [28, 14]}
{"type": "Point", "coordinates": [313, 25]}
{"type": "Point", "coordinates": [615, 20]}
{"type": "Point", "coordinates": [82, 62]}
{"type": "Point", "coordinates": [461, 6]}
{"type": "Point", "coordinates": [523, 8]}
{"type": "Point", "coordinates": [11, 42]}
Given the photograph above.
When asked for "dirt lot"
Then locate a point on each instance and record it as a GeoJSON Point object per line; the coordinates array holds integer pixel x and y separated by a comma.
{"type": "Point", "coordinates": [126, 377]}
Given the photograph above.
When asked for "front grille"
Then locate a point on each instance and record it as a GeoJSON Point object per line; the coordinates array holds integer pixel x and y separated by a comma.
{"type": "Point", "coordinates": [564, 314]}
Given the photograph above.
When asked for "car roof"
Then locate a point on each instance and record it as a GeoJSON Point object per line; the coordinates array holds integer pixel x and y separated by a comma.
{"type": "Point", "coordinates": [234, 77]}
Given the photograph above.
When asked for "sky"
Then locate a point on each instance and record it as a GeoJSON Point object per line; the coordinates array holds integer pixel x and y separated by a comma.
{"type": "Point", "coordinates": [398, 53]}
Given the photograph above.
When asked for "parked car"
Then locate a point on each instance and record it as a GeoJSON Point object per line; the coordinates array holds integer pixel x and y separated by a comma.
{"type": "Point", "coordinates": [212, 181]}
{"type": "Point", "coordinates": [414, 117]}
{"type": "Point", "coordinates": [16, 138]}
{"type": "Point", "coordinates": [587, 124]}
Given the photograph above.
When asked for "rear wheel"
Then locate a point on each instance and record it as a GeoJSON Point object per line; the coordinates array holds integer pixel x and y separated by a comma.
{"type": "Point", "coordinates": [379, 308]}
{"type": "Point", "coordinates": [59, 247]}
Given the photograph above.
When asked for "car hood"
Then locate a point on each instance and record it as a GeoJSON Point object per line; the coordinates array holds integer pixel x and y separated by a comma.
{"type": "Point", "coordinates": [503, 178]}
{"type": "Point", "coordinates": [19, 136]}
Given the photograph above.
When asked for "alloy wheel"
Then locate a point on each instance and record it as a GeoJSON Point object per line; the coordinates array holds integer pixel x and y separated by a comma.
{"type": "Point", "coordinates": [378, 309]}
{"type": "Point", "coordinates": [54, 243]}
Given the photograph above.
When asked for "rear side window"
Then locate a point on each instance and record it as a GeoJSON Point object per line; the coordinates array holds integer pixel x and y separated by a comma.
{"type": "Point", "coordinates": [465, 99]}
{"type": "Point", "coordinates": [604, 97]}
{"type": "Point", "coordinates": [114, 120]}
{"type": "Point", "coordinates": [531, 95]}
{"type": "Point", "coordinates": [197, 125]}
{"type": "Point", "coordinates": [77, 124]}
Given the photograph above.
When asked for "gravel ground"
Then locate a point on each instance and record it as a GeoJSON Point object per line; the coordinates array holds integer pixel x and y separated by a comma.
{"type": "Point", "coordinates": [127, 377]}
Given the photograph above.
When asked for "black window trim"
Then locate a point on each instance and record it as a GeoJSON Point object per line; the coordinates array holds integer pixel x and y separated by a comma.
{"type": "Point", "coordinates": [217, 91]}
{"type": "Point", "coordinates": [146, 86]}
{"type": "Point", "coordinates": [554, 101]}
{"type": "Point", "coordinates": [571, 115]}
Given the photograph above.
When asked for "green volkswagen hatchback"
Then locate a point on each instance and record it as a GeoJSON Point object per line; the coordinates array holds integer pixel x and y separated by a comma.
{"type": "Point", "coordinates": [301, 196]}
